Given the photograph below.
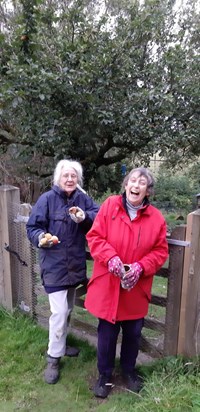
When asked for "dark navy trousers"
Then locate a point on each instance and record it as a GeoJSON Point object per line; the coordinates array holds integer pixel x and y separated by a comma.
{"type": "Point", "coordinates": [107, 342]}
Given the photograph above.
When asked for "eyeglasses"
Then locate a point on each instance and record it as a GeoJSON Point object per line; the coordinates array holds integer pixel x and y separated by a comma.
{"type": "Point", "coordinates": [70, 176]}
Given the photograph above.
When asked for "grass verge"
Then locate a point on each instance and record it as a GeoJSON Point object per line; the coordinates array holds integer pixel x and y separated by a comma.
{"type": "Point", "coordinates": [171, 384]}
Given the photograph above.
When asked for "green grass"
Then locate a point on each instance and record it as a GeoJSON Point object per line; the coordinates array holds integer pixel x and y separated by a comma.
{"type": "Point", "coordinates": [171, 384]}
{"type": "Point", "coordinates": [159, 288]}
{"type": "Point", "coordinates": [89, 267]}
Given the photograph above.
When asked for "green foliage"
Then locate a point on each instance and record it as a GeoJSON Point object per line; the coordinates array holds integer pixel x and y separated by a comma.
{"type": "Point", "coordinates": [97, 90]}
{"type": "Point", "coordinates": [174, 192]}
{"type": "Point", "coordinates": [194, 175]}
{"type": "Point", "coordinates": [106, 180]}
{"type": "Point", "coordinates": [102, 198]}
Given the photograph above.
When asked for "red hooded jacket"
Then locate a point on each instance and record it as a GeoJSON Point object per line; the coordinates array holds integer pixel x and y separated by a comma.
{"type": "Point", "coordinates": [141, 240]}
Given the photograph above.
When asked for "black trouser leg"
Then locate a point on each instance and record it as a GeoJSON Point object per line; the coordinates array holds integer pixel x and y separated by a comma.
{"type": "Point", "coordinates": [107, 341]}
{"type": "Point", "coordinates": [131, 333]}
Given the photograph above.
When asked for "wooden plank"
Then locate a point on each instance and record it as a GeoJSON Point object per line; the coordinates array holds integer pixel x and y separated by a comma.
{"type": "Point", "coordinates": [152, 350]}
{"type": "Point", "coordinates": [79, 302]}
{"type": "Point", "coordinates": [189, 332]}
{"type": "Point", "coordinates": [163, 272]}
{"type": "Point", "coordinates": [81, 291]}
{"type": "Point", "coordinates": [9, 200]}
{"type": "Point", "coordinates": [174, 292]}
{"type": "Point", "coordinates": [86, 327]}
{"type": "Point", "coordinates": [192, 337]}
{"type": "Point", "coordinates": [159, 300]}
{"type": "Point", "coordinates": [182, 332]}
{"type": "Point", "coordinates": [154, 324]}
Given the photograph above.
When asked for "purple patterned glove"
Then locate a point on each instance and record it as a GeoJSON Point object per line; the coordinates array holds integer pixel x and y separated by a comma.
{"type": "Point", "coordinates": [132, 276]}
{"type": "Point", "coordinates": [116, 266]}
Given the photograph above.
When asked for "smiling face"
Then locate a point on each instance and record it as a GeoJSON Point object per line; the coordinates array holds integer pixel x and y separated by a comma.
{"type": "Point", "coordinates": [68, 180]}
{"type": "Point", "coordinates": [136, 188]}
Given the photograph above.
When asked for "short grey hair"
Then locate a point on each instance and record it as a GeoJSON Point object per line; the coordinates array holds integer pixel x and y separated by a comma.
{"type": "Point", "coordinates": [143, 171]}
{"type": "Point", "coordinates": [65, 164]}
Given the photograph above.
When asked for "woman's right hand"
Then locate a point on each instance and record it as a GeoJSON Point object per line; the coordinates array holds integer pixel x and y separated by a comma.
{"type": "Point", "coordinates": [116, 266]}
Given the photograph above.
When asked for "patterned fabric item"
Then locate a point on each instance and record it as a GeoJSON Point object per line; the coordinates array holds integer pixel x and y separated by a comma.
{"type": "Point", "coordinates": [132, 276]}
{"type": "Point", "coordinates": [116, 266]}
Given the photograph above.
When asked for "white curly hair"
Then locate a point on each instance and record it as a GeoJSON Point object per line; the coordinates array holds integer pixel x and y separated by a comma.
{"type": "Point", "coordinates": [65, 164]}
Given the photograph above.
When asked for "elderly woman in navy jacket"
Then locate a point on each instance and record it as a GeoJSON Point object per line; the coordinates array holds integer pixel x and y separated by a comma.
{"type": "Point", "coordinates": [67, 213]}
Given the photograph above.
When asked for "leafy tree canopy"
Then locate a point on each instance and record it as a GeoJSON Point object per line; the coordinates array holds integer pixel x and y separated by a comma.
{"type": "Point", "coordinates": [102, 82]}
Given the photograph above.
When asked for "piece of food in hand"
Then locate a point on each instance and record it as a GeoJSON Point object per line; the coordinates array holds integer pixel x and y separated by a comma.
{"type": "Point", "coordinates": [48, 236]}
{"type": "Point", "coordinates": [43, 241]}
{"type": "Point", "coordinates": [73, 210]}
{"type": "Point", "coordinates": [54, 239]}
{"type": "Point", "coordinates": [79, 214]}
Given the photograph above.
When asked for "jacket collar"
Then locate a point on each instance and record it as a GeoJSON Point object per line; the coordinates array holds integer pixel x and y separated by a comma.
{"type": "Point", "coordinates": [63, 194]}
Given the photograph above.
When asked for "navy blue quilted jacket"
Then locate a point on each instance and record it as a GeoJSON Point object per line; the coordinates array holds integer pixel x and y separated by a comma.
{"type": "Point", "coordinates": [63, 264]}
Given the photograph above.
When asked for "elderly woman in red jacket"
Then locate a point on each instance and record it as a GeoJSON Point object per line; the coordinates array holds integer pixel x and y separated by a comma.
{"type": "Point", "coordinates": [128, 234]}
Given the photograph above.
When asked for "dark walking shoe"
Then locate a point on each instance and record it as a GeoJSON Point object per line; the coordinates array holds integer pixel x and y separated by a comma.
{"type": "Point", "coordinates": [70, 351]}
{"type": "Point", "coordinates": [103, 387]}
{"type": "Point", "coordinates": [51, 373]}
{"type": "Point", "coordinates": [133, 382]}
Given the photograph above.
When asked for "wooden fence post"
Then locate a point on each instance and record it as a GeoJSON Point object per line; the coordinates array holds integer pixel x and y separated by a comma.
{"type": "Point", "coordinates": [175, 272]}
{"type": "Point", "coordinates": [189, 329]}
{"type": "Point", "coordinates": [9, 198]}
